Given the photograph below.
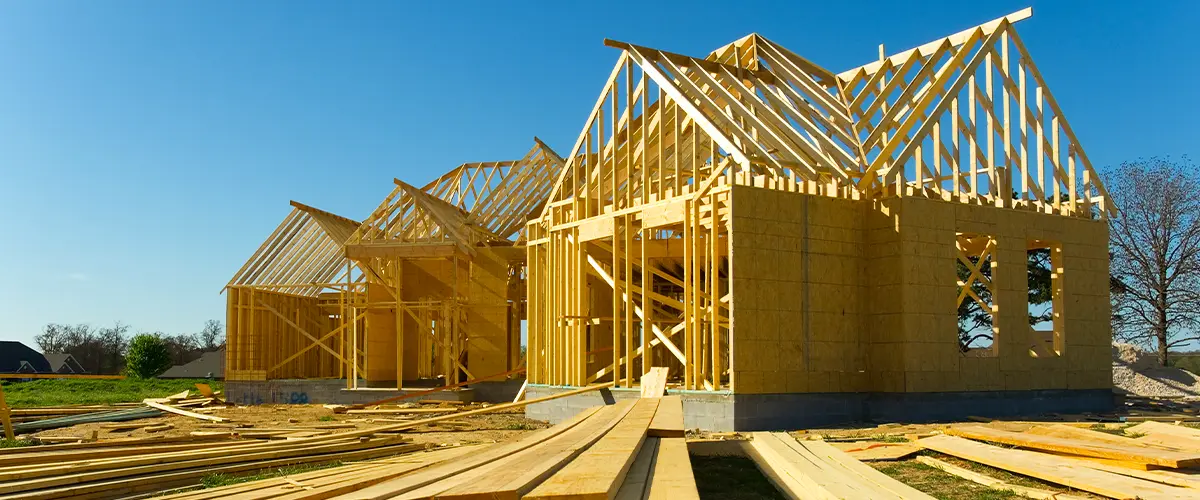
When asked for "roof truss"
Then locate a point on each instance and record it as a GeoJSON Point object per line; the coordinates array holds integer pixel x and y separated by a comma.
{"type": "Point", "coordinates": [303, 255]}
{"type": "Point", "coordinates": [966, 118]}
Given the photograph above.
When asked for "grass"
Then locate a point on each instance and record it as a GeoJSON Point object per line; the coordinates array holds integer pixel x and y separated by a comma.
{"type": "Point", "coordinates": [939, 484]}
{"type": "Point", "coordinates": [520, 426]}
{"type": "Point", "coordinates": [326, 418]}
{"type": "Point", "coordinates": [734, 478]}
{"type": "Point", "coordinates": [61, 392]}
{"type": "Point", "coordinates": [218, 480]}
{"type": "Point", "coordinates": [14, 443]}
{"type": "Point", "coordinates": [945, 486]}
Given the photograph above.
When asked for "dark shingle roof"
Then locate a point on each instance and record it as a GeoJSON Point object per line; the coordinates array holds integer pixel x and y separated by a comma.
{"type": "Point", "coordinates": [209, 363]}
{"type": "Point", "coordinates": [13, 353]}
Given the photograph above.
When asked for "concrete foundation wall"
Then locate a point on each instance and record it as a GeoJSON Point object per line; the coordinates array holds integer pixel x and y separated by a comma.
{"type": "Point", "coordinates": [333, 391]}
{"type": "Point", "coordinates": [753, 412]}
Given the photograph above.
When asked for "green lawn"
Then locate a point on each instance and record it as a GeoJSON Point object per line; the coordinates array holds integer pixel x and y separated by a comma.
{"type": "Point", "coordinates": [59, 392]}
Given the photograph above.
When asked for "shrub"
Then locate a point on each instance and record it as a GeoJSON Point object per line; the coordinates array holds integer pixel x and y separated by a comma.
{"type": "Point", "coordinates": [148, 356]}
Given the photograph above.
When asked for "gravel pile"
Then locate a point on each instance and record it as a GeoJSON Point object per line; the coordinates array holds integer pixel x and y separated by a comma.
{"type": "Point", "coordinates": [1134, 372]}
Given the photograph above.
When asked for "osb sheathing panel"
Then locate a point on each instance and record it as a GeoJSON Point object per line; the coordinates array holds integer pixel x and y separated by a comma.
{"type": "Point", "coordinates": [380, 364]}
{"type": "Point", "coordinates": [881, 287]}
{"type": "Point", "coordinates": [487, 314]}
{"type": "Point", "coordinates": [783, 342]}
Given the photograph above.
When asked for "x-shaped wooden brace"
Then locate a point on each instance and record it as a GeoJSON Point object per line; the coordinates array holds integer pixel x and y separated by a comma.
{"type": "Point", "coordinates": [976, 274]}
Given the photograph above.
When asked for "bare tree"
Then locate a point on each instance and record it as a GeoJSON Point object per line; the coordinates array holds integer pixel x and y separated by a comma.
{"type": "Point", "coordinates": [98, 350]}
{"type": "Point", "coordinates": [212, 336]}
{"type": "Point", "coordinates": [1155, 245]}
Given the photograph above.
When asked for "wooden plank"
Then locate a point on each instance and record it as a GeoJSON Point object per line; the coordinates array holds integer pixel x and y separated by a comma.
{"type": "Point", "coordinates": [668, 420]}
{"type": "Point", "coordinates": [399, 486]}
{"type": "Point", "coordinates": [599, 471]}
{"type": "Point", "coordinates": [123, 487]}
{"type": "Point", "coordinates": [402, 411]}
{"type": "Point", "coordinates": [346, 483]}
{"type": "Point", "coordinates": [1054, 469]}
{"type": "Point", "coordinates": [97, 473]}
{"type": "Point", "coordinates": [5, 417]}
{"type": "Point", "coordinates": [994, 483]}
{"type": "Point", "coordinates": [521, 392]}
{"type": "Point", "coordinates": [882, 484]}
{"type": "Point", "coordinates": [654, 384]}
{"type": "Point", "coordinates": [1160, 434]}
{"type": "Point", "coordinates": [1079, 447]}
{"type": "Point", "coordinates": [1068, 432]}
{"type": "Point", "coordinates": [634, 487]}
{"type": "Point", "coordinates": [794, 479]}
{"type": "Point", "coordinates": [516, 475]}
{"type": "Point", "coordinates": [671, 475]}
{"type": "Point", "coordinates": [59, 375]}
{"type": "Point", "coordinates": [179, 411]}
{"type": "Point", "coordinates": [874, 450]}
{"type": "Point", "coordinates": [1188, 478]}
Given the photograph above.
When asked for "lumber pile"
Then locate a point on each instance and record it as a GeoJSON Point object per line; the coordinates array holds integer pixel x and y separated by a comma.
{"type": "Point", "coordinates": [118, 468]}
{"type": "Point", "coordinates": [1151, 460]}
{"type": "Point", "coordinates": [27, 420]}
{"type": "Point", "coordinates": [603, 452]}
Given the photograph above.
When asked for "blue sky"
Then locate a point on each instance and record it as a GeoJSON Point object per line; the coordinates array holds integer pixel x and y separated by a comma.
{"type": "Point", "coordinates": [147, 148]}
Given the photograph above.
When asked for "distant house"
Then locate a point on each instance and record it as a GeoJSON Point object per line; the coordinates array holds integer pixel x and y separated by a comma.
{"type": "Point", "coordinates": [210, 364]}
{"type": "Point", "coordinates": [64, 364]}
{"type": "Point", "coordinates": [16, 357]}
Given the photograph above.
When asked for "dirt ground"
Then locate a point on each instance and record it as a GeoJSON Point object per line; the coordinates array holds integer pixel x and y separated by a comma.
{"type": "Point", "coordinates": [486, 428]}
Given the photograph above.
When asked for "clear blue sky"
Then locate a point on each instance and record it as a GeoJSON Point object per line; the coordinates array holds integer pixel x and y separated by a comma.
{"type": "Point", "coordinates": [147, 148]}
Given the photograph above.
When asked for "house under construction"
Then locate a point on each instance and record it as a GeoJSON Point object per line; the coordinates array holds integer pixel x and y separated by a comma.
{"type": "Point", "coordinates": [796, 246]}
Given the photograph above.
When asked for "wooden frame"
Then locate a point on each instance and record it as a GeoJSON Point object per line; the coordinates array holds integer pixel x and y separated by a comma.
{"type": "Point", "coordinates": [967, 118]}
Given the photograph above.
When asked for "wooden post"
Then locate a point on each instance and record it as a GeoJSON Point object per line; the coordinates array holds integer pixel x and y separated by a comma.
{"type": "Point", "coordinates": [397, 266]}
{"type": "Point", "coordinates": [6, 416]}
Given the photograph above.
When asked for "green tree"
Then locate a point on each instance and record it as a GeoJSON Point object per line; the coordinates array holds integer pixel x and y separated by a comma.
{"type": "Point", "coordinates": [148, 356]}
{"type": "Point", "coordinates": [975, 323]}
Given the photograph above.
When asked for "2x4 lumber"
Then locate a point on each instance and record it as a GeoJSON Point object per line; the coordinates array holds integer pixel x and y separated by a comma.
{"type": "Point", "coordinates": [994, 483]}
{"type": "Point", "coordinates": [599, 471]}
{"type": "Point", "coordinates": [10, 486]}
{"type": "Point", "coordinates": [398, 486]}
{"type": "Point", "coordinates": [341, 483]}
{"type": "Point", "coordinates": [1054, 469]}
{"type": "Point", "coordinates": [114, 443]}
{"type": "Point", "coordinates": [180, 411]}
{"type": "Point", "coordinates": [88, 464]}
{"type": "Point", "coordinates": [117, 488]}
{"type": "Point", "coordinates": [1173, 459]}
{"type": "Point", "coordinates": [514, 476]}
{"type": "Point", "coordinates": [57, 375]}
{"type": "Point", "coordinates": [5, 417]}
{"type": "Point", "coordinates": [668, 420]}
{"type": "Point", "coordinates": [39, 457]}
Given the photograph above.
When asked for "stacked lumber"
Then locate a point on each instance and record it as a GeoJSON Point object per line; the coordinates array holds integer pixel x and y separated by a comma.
{"type": "Point", "coordinates": [1152, 461]}
{"type": "Point", "coordinates": [818, 470]}
{"type": "Point", "coordinates": [333, 481]}
{"type": "Point", "coordinates": [603, 452]}
{"type": "Point", "coordinates": [39, 419]}
{"type": "Point", "coordinates": [117, 468]}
